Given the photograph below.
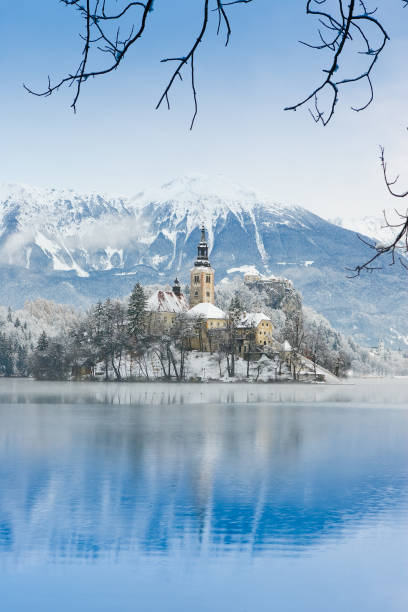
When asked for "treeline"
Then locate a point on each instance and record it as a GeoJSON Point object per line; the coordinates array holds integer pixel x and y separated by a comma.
{"type": "Point", "coordinates": [103, 337]}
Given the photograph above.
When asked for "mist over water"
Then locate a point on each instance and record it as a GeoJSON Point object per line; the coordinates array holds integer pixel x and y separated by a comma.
{"type": "Point", "coordinates": [203, 497]}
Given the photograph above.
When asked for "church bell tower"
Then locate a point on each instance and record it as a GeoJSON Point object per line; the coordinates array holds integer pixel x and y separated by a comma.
{"type": "Point", "coordinates": [202, 275]}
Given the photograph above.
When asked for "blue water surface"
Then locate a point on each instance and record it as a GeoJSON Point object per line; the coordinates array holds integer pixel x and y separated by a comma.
{"type": "Point", "coordinates": [203, 497]}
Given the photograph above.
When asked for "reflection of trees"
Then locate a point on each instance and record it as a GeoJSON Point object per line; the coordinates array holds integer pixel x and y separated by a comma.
{"type": "Point", "coordinates": [83, 482]}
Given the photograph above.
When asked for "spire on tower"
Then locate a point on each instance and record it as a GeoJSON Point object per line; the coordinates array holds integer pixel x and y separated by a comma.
{"type": "Point", "coordinates": [176, 287]}
{"type": "Point", "coordinates": [202, 250]}
{"type": "Point", "coordinates": [202, 275]}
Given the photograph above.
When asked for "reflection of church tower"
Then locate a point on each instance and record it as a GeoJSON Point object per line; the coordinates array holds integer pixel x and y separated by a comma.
{"type": "Point", "coordinates": [202, 275]}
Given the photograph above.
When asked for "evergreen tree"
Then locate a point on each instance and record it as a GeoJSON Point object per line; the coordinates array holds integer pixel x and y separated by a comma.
{"type": "Point", "coordinates": [39, 362]}
{"type": "Point", "coordinates": [9, 315]}
{"type": "Point", "coordinates": [49, 360]}
{"type": "Point", "coordinates": [6, 355]}
{"type": "Point", "coordinates": [137, 312]}
{"type": "Point", "coordinates": [42, 344]}
{"type": "Point", "coordinates": [57, 363]}
{"type": "Point", "coordinates": [22, 362]}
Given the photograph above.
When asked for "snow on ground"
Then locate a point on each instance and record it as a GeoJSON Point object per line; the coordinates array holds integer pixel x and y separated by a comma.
{"type": "Point", "coordinates": [209, 367]}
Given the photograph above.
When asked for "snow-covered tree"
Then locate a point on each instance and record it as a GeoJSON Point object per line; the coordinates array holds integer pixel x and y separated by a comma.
{"type": "Point", "coordinates": [136, 313]}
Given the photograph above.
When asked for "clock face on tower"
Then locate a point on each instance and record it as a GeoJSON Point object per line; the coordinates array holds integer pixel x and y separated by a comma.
{"type": "Point", "coordinates": [202, 275]}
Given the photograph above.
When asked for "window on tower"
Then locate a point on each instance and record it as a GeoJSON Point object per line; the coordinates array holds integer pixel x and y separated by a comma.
{"type": "Point", "coordinates": [196, 293]}
{"type": "Point", "coordinates": [196, 278]}
{"type": "Point", "coordinates": [208, 278]}
{"type": "Point", "coordinates": [208, 294]}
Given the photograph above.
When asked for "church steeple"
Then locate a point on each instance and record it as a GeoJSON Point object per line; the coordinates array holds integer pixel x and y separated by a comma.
{"type": "Point", "coordinates": [202, 275]}
{"type": "Point", "coordinates": [176, 287]}
{"type": "Point", "coordinates": [202, 250]}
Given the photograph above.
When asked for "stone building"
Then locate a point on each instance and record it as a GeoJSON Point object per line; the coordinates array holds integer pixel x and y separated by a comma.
{"type": "Point", "coordinates": [209, 325]}
{"type": "Point", "coordinates": [254, 334]}
{"type": "Point", "coordinates": [255, 328]}
{"type": "Point", "coordinates": [163, 307]}
{"type": "Point", "coordinates": [202, 275]}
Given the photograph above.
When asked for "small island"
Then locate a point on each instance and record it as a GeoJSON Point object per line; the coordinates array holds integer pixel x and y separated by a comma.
{"type": "Point", "coordinates": [251, 327]}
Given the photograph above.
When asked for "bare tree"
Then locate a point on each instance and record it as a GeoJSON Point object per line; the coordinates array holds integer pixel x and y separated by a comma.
{"type": "Point", "coordinates": [113, 27]}
{"type": "Point", "coordinates": [316, 345]}
{"type": "Point", "coordinates": [112, 31]}
{"type": "Point", "coordinates": [295, 334]}
{"type": "Point", "coordinates": [180, 333]}
{"type": "Point", "coordinates": [399, 244]}
{"type": "Point", "coordinates": [343, 25]}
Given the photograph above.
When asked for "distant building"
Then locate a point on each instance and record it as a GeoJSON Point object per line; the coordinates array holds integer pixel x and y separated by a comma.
{"type": "Point", "coordinates": [202, 275]}
{"type": "Point", "coordinates": [279, 292]}
{"type": "Point", "coordinates": [257, 277]}
{"type": "Point", "coordinates": [163, 307]}
{"type": "Point", "coordinates": [379, 351]}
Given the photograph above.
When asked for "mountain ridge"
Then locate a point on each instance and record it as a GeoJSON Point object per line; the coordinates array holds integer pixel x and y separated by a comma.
{"type": "Point", "coordinates": [78, 248]}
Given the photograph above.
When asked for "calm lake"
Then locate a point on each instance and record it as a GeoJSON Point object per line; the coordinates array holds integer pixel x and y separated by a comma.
{"type": "Point", "coordinates": [138, 497]}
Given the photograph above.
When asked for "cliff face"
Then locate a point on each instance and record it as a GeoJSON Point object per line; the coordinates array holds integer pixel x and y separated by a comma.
{"type": "Point", "coordinates": [277, 293]}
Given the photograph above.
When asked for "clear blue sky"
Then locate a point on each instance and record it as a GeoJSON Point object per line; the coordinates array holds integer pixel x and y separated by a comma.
{"type": "Point", "coordinates": [118, 143]}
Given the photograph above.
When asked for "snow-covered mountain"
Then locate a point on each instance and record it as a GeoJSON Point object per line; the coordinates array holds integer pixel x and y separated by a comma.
{"type": "Point", "coordinates": [373, 226]}
{"type": "Point", "coordinates": [63, 230]}
{"type": "Point", "coordinates": [77, 248]}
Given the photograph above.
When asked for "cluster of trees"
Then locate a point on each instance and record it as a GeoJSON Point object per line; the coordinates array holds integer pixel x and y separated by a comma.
{"type": "Point", "coordinates": [101, 338]}
{"type": "Point", "coordinates": [15, 345]}
{"type": "Point", "coordinates": [114, 340]}
{"type": "Point", "coordinates": [20, 331]}
{"type": "Point", "coordinates": [310, 335]}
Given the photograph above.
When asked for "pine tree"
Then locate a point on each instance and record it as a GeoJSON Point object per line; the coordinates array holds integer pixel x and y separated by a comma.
{"type": "Point", "coordinates": [42, 343]}
{"type": "Point", "coordinates": [9, 315]}
{"type": "Point", "coordinates": [6, 355]}
{"type": "Point", "coordinates": [21, 363]}
{"type": "Point", "coordinates": [137, 312]}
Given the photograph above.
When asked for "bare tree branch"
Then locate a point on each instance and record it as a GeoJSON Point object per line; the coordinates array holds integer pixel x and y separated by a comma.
{"type": "Point", "coordinates": [350, 19]}
{"type": "Point", "coordinates": [103, 35]}
{"type": "Point", "coordinates": [189, 57]}
{"type": "Point", "coordinates": [94, 14]}
{"type": "Point", "coordinates": [399, 244]}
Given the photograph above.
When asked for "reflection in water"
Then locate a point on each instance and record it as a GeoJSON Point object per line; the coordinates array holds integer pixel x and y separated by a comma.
{"type": "Point", "coordinates": [113, 481]}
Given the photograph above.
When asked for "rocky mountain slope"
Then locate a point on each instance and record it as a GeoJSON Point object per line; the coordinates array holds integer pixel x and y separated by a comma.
{"type": "Point", "coordinates": [78, 248]}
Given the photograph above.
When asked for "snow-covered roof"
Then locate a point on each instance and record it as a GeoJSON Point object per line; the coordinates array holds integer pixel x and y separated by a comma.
{"type": "Point", "coordinates": [286, 346]}
{"type": "Point", "coordinates": [166, 301]}
{"type": "Point", "coordinates": [252, 319]}
{"type": "Point", "coordinates": [207, 310]}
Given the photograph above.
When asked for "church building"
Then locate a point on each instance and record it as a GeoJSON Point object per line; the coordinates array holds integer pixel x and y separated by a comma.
{"type": "Point", "coordinates": [253, 332]}
{"type": "Point", "coordinates": [202, 275]}
{"type": "Point", "coordinates": [163, 307]}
